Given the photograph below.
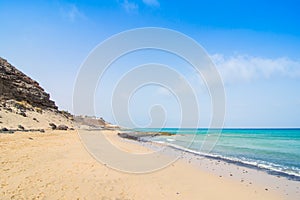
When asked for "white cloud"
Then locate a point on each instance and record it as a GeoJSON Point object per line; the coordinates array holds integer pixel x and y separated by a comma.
{"type": "Point", "coordinates": [246, 68]}
{"type": "Point", "coordinates": [153, 3]}
{"type": "Point", "coordinates": [72, 13]}
{"type": "Point", "coordinates": [130, 7]}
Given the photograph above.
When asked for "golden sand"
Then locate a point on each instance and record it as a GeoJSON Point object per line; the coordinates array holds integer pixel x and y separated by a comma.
{"type": "Point", "coordinates": [55, 165]}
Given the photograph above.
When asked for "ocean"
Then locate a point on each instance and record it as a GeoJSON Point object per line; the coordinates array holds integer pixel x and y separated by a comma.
{"type": "Point", "coordinates": [274, 150]}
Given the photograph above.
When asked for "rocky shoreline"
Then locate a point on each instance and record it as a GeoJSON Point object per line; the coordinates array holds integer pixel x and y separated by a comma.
{"type": "Point", "coordinates": [139, 136]}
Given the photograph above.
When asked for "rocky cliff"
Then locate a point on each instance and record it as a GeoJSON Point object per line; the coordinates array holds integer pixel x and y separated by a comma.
{"type": "Point", "coordinates": [15, 85]}
{"type": "Point", "coordinates": [25, 106]}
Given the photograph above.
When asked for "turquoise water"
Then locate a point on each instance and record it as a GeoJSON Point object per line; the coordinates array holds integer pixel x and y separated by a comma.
{"type": "Point", "coordinates": [277, 150]}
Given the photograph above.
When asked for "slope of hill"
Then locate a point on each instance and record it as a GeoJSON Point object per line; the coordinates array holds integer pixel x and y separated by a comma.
{"type": "Point", "coordinates": [25, 105]}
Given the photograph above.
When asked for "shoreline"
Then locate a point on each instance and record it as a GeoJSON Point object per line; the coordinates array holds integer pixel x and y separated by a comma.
{"type": "Point", "coordinates": [140, 135]}
{"type": "Point", "coordinates": [241, 163]}
{"type": "Point", "coordinates": [55, 165]}
{"type": "Point", "coordinates": [289, 185]}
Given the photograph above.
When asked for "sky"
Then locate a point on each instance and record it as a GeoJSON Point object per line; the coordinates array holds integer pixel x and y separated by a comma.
{"type": "Point", "coordinates": [255, 46]}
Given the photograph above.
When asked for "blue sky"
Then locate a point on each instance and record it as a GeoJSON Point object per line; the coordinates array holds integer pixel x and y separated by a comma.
{"type": "Point", "coordinates": [254, 44]}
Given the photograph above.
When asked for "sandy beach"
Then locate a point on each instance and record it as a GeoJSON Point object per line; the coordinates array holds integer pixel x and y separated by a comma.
{"type": "Point", "coordinates": [55, 165]}
{"type": "Point", "coordinates": [149, 100]}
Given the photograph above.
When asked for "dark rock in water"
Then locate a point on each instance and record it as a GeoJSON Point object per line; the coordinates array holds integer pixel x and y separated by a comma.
{"type": "Point", "coordinates": [62, 127]}
{"type": "Point", "coordinates": [165, 134]}
{"type": "Point", "coordinates": [128, 136]}
{"type": "Point", "coordinates": [16, 85]}
{"type": "Point", "coordinates": [53, 126]}
{"type": "Point", "coordinates": [21, 127]}
{"type": "Point", "coordinates": [139, 136]}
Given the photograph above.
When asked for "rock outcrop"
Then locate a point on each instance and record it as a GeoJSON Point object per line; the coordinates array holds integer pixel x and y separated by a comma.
{"type": "Point", "coordinates": [91, 122]}
{"type": "Point", "coordinates": [25, 106]}
{"type": "Point", "coordinates": [15, 85]}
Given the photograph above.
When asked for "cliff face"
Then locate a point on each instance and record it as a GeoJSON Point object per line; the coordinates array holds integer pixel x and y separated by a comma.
{"type": "Point", "coordinates": [17, 86]}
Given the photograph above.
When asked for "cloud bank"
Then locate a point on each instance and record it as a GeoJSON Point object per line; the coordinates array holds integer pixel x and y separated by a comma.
{"type": "Point", "coordinates": [245, 68]}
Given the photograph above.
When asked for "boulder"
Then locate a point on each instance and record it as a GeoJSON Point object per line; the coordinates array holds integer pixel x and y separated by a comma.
{"type": "Point", "coordinates": [53, 126]}
{"type": "Point", "coordinates": [4, 129]}
{"type": "Point", "coordinates": [23, 114]}
{"type": "Point", "coordinates": [21, 127]}
{"type": "Point", "coordinates": [62, 127]}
